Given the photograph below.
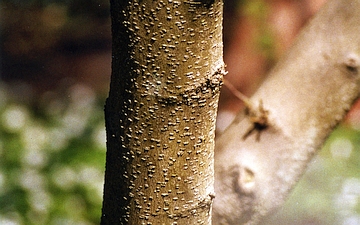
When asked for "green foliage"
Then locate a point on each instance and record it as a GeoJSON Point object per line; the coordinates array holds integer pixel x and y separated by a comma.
{"type": "Point", "coordinates": [52, 164]}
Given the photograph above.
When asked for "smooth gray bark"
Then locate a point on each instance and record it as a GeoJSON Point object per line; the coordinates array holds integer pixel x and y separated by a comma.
{"type": "Point", "coordinates": [305, 95]}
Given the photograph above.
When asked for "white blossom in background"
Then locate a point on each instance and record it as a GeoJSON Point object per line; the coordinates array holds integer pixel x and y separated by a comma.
{"type": "Point", "coordinates": [348, 200]}
{"type": "Point", "coordinates": [14, 118]}
{"type": "Point", "coordinates": [341, 148]}
{"type": "Point", "coordinates": [99, 136]}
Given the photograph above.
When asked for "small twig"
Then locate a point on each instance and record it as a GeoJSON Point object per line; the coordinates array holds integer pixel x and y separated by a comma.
{"type": "Point", "coordinates": [258, 116]}
{"type": "Point", "coordinates": [238, 94]}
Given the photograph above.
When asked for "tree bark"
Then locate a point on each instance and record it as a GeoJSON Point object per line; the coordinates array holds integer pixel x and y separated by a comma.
{"type": "Point", "coordinates": [305, 96]}
{"type": "Point", "coordinates": [160, 114]}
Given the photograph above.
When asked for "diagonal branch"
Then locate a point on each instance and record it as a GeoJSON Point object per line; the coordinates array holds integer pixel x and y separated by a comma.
{"type": "Point", "coordinates": [306, 95]}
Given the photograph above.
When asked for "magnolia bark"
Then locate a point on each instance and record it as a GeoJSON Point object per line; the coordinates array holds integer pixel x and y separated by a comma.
{"type": "Point", "coordinates": [306, 95]}
{"type": "Point", "coordinates": [160, 114]}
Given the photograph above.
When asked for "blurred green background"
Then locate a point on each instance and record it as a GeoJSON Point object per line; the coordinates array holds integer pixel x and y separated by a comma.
{"type": "Point", "coordinates": [55, 73]}
{"type": "Point", "coordinates": [55, 70]}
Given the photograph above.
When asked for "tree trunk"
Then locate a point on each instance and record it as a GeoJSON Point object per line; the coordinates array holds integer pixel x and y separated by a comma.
{"type": "Point", "coordinates": [303, 99]}
{"type": "Point", "coordinates": [160, 114]}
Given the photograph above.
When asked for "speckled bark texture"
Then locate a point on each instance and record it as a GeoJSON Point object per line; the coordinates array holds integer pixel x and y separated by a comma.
{"type": "Point", "coordinates": [167, 71]}
{"type": "Point", "coordinates": [305, 96]}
